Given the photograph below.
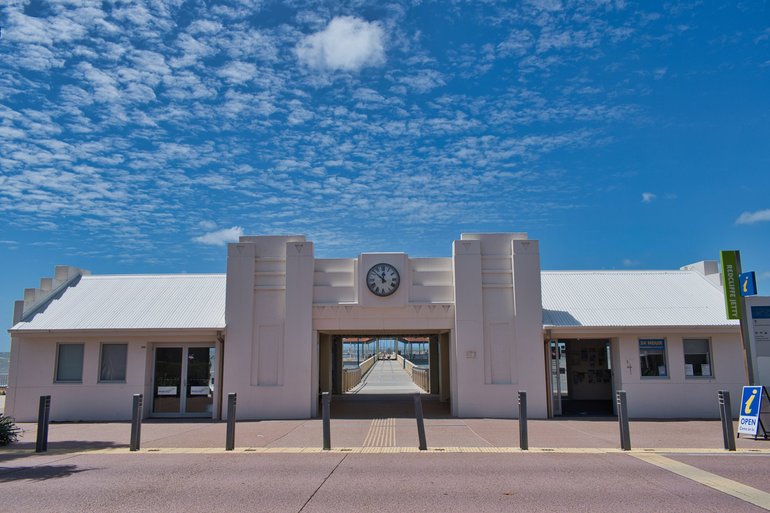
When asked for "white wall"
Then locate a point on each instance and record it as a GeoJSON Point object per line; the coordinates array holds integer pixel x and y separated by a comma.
{"type": "Point", "coordinates": [674, 396]}
{"type": "Point", "coordinates": [33, 367]}
{"type": "Point", "coordinates": [269, 344]}
{"type": "Point", "coordinates": [498, 327]}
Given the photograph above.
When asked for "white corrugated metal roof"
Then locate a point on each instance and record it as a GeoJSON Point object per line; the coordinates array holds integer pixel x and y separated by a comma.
{"type": "Point", "coordinates": [570, 299]}
{"type": "Point", "coordinates": [631, 298]}
{"type": "Point", "coordinates": [158, 301]}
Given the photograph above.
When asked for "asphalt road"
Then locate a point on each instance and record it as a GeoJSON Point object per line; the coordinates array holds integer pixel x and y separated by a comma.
{"type": "Point", "coordinates": [340, 482]}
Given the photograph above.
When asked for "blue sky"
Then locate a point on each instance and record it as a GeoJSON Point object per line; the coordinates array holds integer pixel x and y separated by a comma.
{"type": "Point", "coordinates": [141, 136]}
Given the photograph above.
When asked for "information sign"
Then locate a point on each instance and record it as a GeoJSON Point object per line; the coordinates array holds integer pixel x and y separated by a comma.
{"type": "Point", "coordinates": [748, 283]}
{"type": "Point", "coordinates": [751, 401]}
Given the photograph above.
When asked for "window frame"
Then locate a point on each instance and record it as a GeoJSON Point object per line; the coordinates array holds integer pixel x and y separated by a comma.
{"type": "Point", "coordinates": [57, 366]}
{"type": "Point", "coordinates": [665, 357]}
{"type": "Point", "coordinates": [709, 355]}
{"type": "Point", "coordinates": [101, 363]}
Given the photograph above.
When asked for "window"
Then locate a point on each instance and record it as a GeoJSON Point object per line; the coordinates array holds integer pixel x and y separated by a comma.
{"type": "Point", "coordinates": [69, 363]}
{"type": "Point", "coordinates": [652, 355]}
{"type": "Point", "coordinates": [697, 357]}
{"type": "Point", "coordinates": [113, 362]}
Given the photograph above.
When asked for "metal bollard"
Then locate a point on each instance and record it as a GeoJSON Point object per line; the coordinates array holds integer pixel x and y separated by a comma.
{"type": "Point", "coordinates": [523, 434]}
{"type": "Point", "coordinates": [625, 435]}
{"type": "Point", "coordinates": [327, 429]}
{"type": "Point", "coordinates": [420, 422]}
{"type": "Point", "coordinates": [136, 422]}
{"type": "Point", "coordinates": [726, 415]}
{"type": "Point", "coordinates": [43, 418]}
{"type": "Point", "coordinates": [230, 437]}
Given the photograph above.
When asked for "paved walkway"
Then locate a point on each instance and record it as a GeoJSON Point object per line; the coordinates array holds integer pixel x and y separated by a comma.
{"type": "Point", "coordinates": [390, 435]}
{"type": "Point", "coordinates": [386, 377]}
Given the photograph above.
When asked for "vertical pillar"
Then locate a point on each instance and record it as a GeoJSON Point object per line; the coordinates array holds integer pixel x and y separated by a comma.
{"type": "Point", "coordinates": [43, 418]}
{"type": "Point", "coordinates": [231, 405]}
{"type": "Point", "coordinates": [523, 433]}
{"type": "Point", "coordinates": [625, 435]}
{"type": "Point", "coordinates": [136, 422]}
{"type": "Point", "coordinates": [726, 415]}
{"type": "Point", "coordinates": [327, 431]}
{"type": "Point", "coordinates": [420, 422]}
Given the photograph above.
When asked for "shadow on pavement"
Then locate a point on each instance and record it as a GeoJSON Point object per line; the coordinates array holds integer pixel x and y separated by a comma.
{"type": "Point", "coordinates": [14, 451]}
{"type": "Point", "coordinates": [390, 406]}
{"type": "Point", "coordinates": [39, 473]}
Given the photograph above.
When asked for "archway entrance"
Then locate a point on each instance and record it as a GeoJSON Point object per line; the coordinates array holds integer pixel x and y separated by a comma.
{"type": "Point", "coordinates": [372, 375]}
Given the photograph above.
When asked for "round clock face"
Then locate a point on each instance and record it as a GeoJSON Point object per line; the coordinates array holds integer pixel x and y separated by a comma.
{"type": "Point", "coordinates": [383, 279]}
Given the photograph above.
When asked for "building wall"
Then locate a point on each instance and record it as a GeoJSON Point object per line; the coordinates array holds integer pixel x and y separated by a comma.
{"type": "Point", "coordinates": [283, 304]}
{"type": "Point", "coordinates": [674, 396]}
{"type": "Point", "coordinates": [498, 326]}
{"type": "Point", "coordinates": [281, 301]}
{"type": "Point", "coordinates": [33, 368]}
{"type": "Point", "coordinates": [269, 344]}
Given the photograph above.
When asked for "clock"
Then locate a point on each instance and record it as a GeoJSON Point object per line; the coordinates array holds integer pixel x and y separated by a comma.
{"type": "Point", "coordinates": [383, 279]}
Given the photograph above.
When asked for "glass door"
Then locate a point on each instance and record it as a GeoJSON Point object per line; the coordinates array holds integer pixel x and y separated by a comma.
{"type": "Point", "coordinates": [558, 367]}
{"type": "Point", "coordinates": [183, 381]}
{"type": "Point", "coordinates": [167, 384]}
{"type": "Point", "coordinates": [199, 388]}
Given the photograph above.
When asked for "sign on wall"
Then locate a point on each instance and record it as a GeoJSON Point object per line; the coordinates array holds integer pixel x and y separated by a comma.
{"type": "Point", "coordinates": [730, 261]}
{"type": "Point", "coordinates": [748, 284]}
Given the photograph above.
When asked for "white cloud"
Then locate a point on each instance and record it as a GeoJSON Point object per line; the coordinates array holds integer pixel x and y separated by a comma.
{"type": "Point", "coordinates": [207, 225]}
{"type": "Point", "coordinates": [347, 43]}
{"type": "Point", "coordinates": [424, 80]}
{"type": "Point", "coordinates": [238, 72]}
{"type": "Point", "coordinates": [629, 262]}
{"type": "Point", "coordinates": [753, 217]}
{"type": "Point", "coordinates": [648, 197]}
{"type": "Point", "coordinates": [220, 237]}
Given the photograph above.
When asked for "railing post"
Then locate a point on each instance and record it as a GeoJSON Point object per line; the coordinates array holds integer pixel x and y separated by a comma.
{"type": "Point", "coordinates": [420, 422]}
{"type": "Point", "coordinates": [136, 422]}
{"type": "Point", "coordinates": [326, 399]}
{"type": "Point", "coordinates": [43, 418]}
{"type": "Point", "coordinates": [523, 434]}
{"type": "Point", "coordinates": [726, 415]}
{"type": "Point", "coordinates": [230, 437]}
{"type": "Point", "coordinates": [625, 435]}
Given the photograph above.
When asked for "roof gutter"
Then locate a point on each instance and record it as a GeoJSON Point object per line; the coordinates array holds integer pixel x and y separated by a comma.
{"type": "Point", "coordinates": [636, 329]}
{"type": "Point", "coordinates": [22, 331]}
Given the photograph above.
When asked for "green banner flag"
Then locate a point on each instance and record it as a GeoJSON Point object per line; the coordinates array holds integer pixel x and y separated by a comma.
{"type": "Point", "coordinates": [731, 268]}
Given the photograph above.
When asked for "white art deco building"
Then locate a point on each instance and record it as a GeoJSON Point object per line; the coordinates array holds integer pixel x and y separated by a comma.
{"type": "Point", "coordinates": [272, 328]}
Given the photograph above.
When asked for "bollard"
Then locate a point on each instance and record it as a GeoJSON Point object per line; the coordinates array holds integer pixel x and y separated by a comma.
{"type": "Point", "coordinates": [625, 435]}
{"type": "Point", "coordinates": [43, 418]}
{"type": "Point", "coordinates": [726, 415]}
{"type": "Point", "coordinates": [721, 403]}
{"type": "Point", "coordinates": [136, 422]}
{"type": "Point", "coordinates": [326, 406]}
{"type": "Point", "coordinates": [523, 434]}
{"type": "Point", "coordinates": [230, 436]}
{"type": "Point", "coordinates": [420, 422]}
